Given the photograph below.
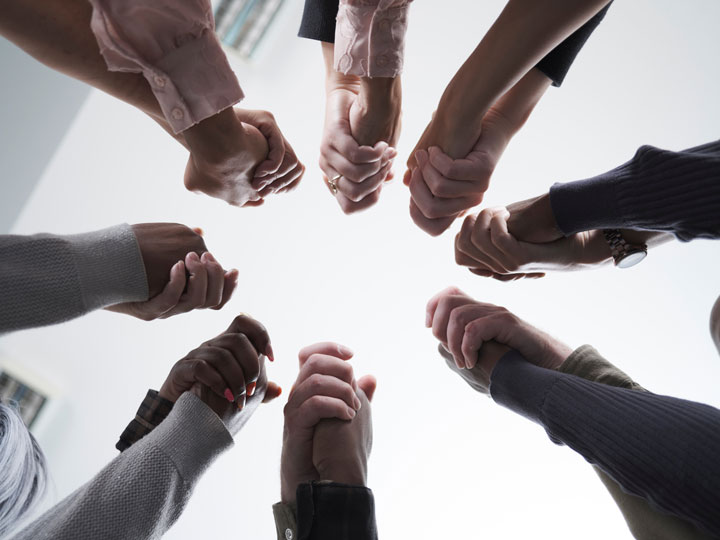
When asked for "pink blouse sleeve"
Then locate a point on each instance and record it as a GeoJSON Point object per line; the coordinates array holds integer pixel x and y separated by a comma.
{"type": "Point", "coordinates": [173, 44]}
{"type": "Point", "coordinates": [370, 37]}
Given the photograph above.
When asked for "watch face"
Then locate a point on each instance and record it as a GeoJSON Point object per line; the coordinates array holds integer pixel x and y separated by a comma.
{"type": "Point", "coordinates": [631, 259]}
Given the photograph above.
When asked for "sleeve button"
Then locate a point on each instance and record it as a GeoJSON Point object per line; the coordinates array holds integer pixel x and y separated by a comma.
{"type": "Point", "coordinates": [178, 114]}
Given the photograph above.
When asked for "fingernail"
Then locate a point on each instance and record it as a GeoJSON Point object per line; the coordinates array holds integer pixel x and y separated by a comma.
{"type": "Point", "coordinates": [241, 402]}
{"type": "Point", "coordinates": [229, 396]}
{"type": "Point", "coordinates": [428, 319]}
{"type": "Point", "coordinates": [392, 152]}
{"type": "Point", "coordinates": [269, 352]}
{"type": "Point", "coordinates": [352, 413]}
{"type": "Point", "coordinates": [251, 388]}
{"type": "Point", "coordinates": [345, 351]}
{"type": "Point", "coordinates": [357, 403]}
{"type": "Point", "coordinates": [193, 256]}
{"type": "Point", "coordinates": [279, 391]}
{"type": "Point", "coordinates": [207, 256]}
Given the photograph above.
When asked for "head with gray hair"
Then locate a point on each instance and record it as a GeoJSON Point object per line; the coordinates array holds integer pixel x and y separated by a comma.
{"type": "Point", "coordinates": [23, 471]}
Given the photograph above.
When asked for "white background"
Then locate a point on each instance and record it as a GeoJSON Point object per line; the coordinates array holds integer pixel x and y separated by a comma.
{"type": "Point", "coordinates": [447, 463]}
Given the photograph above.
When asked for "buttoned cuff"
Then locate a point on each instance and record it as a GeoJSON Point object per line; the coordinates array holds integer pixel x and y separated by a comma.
{"type": "Point", "coordinates": [370, 40]}
{"type": "Point", "coordinates": [195, 82]}
{"type": "Point", "coordinates": [285, 521]}
{"type": "Point", "coordinates": [152, 411]}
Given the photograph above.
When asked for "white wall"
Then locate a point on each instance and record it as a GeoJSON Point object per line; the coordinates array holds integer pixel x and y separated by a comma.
{"type": "Point", "coordinates": [447, 463]}
{"type": "Point", "coordinates": [36, 109]}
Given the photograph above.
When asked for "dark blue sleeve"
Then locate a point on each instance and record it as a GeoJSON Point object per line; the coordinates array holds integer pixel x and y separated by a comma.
{"type": "Point", "coordinates": [318, 21]}
{"type": "Point", "coordinates": [660, 448]}
{"type": "Point", "coordinates": [333, 511]}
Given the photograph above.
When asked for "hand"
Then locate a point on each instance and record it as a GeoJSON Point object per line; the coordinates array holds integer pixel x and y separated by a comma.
{"type": "Point", "coordinates": [359, 131]}
{"type": "Point", "coordinates": [476, 376]}
{"type": "Point", "coordinates": [487, 247]}
{"type": "Point", "coordinates": [441, 188]}
{"type": "Point", "coordinates": [341, 448]}
{"type": "Point", "coordinates": [227, 371]}
{"type": "Point", "coordinates": [179, 279]}
{"type": "Point", "coordinates": [325, 388]}
{"type": "Point", "coordinates": [240, 156]}
{"type": "Point", "coordinates": [463, 325]}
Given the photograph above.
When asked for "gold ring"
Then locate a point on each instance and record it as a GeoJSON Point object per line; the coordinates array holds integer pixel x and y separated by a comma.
{"type": "Point", "coordinates": [332, 182]}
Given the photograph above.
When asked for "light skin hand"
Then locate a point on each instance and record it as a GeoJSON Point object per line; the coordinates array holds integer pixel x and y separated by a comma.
{"type": "Point", "coordinates": [325, 388]}
{"type": "Point", "coordinates": [195, 281]}
{"type": "Point", "coordinates": [463, 326]}
{"type": "Point", "coordinates": [362, 121]}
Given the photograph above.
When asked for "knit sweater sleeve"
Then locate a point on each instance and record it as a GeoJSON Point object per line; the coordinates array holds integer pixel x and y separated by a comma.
{"type": "Point", "coordinates": [142, 492]}
{"type": "Point", "coordinates": [660, 448]}
{"type": "Point", "coordinates": [47, 279]}
{"type": "Point", "coordinates": [657, 190]}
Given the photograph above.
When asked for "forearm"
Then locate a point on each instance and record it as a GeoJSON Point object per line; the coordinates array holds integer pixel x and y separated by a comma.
{"type": "Point", "coordinates": [47, 279]}
{"type": "Point", "coordinates": [658, 190]}
{"type": "Point", "coordinates": [594, 420]}
{"type": "Point", "coordinates": [58, 34]}
{"type": "Point", "coordinates": [523, 34]}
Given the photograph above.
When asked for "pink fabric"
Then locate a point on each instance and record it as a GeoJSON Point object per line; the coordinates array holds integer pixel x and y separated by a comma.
{"type": "Point", "coordinates": [173, 44]}
{"type": "Point", "coordinates": [370, 37]}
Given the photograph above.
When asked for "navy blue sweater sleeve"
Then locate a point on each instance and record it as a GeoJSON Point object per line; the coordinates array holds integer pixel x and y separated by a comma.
{"type": "Point", "coordinates": [318, 22]}
{"type": "Point", "coordinates": [660, 448]}
{"type": "Point", "coordinates": [331, 511]}
{"type": "Point", "coordinates": [657, 190]}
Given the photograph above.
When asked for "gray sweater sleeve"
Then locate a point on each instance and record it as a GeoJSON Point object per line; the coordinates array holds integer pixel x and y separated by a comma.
{"type": "Point", "coordinates": [657, 190]}
{"type": "Point", "coordinates": [142, 492]}
{"type": "Point", "coordinates": [47, 279]}
{"type": "Point", "coordinates": [660, 448]}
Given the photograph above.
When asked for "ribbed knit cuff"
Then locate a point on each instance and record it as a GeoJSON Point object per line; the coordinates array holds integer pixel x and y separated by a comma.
{"type": "Point", "coordinates": [587, 363]}
{"type": "Point", "coordinates": [521, 386]}
{"type": "Point", "coordinates": [192, 436]}
{"type": "Point", "coordinates": [285, 520]}
{"type": "Point", "coordinates": [109, 266]}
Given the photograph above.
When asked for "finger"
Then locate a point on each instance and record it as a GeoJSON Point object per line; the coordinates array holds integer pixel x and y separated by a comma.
{"type": "Point", "coordinates": [288, 178]}
{"type": "Point", "coordinates": [226, 364]}
{"type": "Point", "coordinates": [480, 331]}
{"type": "Point", "coordinates": [325, 347]}
{"type": "Point", "coordinates": [467, 253]}
{"type": "Point", "coordinates": [368, 384]}
{"type": "Point", "coordinates": [206, 374]}
{"type": "Point", "coordinates": [490, 254]}
{"type": "Point", "coordinates": [324, 364]}
{"type": "Point", "coordinates": [194, 295]}
{"type": "Point", "coordinates": [443, 186]}
{"type": "Point", "coordinates": [433, 207]}
{"type": "Point", "coordinates": [323, 385]}
{"type": "Point", "coordinates": [259, 202]}
{"type": "Point", "coordinates": [255, 332]}
{"type": "Point", "coordinates": [215, 280]}
{"type": "Point", "coordinates": [442, 314]}
{"type": "Point", "coordinates": [229, 286]}
{"type": "Point", "coordinates": [272, 392]}
{"type": "Point", "coordinates": [459, 318]}
{"type": "Point", "coordinates": [432, 304]}
{"type": "Point", "coordinates": [244, 353]}
{"type": "Point", "coordinates": [355, 172]}
{"type": "Point", "coordinates": [358, 191]}
{"type": "Point", "coordinates": [276, 151]}
{"type": "Point", "coordinates": [434, 227]}
{"type": "Point", "coordinates": [292, 185]}
{"type": "Point", "coordinates": [318, 408]}
{"type": "Point", "coordinates": [198, 231]}
{"type": "Point", "coordinates": [345, 144]}
{"type": "Point", "coordinates": [350, 207]}
{"type": "Point", "coordinates": [463, 170]}
{"type": "Point", "coordinates": [171, 293]}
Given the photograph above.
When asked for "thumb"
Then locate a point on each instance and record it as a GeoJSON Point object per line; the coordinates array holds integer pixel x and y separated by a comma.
{"type": "Point", "coordinates": [368, 384]}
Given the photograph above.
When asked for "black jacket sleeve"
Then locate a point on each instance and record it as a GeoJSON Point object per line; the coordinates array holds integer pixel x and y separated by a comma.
{"type": "Point", "coordinates": [318, 20]}
{"type": "Point", "coordinates": [332, 511]}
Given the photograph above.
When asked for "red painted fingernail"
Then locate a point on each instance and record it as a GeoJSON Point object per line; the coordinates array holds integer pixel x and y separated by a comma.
{"type": "Point", "coordinates": [279, 391]}
{"type": "Point", "coordinates": [269, 352]}
{"type": "Point", "coordinates": [251, 388]}
{"type": "Point", "coordinates": [228, 395]}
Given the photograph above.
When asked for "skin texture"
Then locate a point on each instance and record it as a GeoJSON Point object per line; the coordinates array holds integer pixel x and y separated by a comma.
{"type": "Point", "coordinates": [225, 369]}
{"type": "Point", "coordinates": [463, 326]}
{"type": "Point", "coordinates": [362, 125]}
{"type": "Point", "coordinates": [182, 275]}
{"type": "Point", "coordinates": [524, 241]}
{"type": "Point", "coordinates": [326, 389]}
{"type": "Point", "coordinates": [443, 188]}
{"type": "Point", "coordinates": [237, 155]}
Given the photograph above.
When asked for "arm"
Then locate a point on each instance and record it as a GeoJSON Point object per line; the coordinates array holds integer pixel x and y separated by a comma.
{"type": "Point", "coordinates": [142, 492]}
{"type": "Point", "coordinates": [595, 420]}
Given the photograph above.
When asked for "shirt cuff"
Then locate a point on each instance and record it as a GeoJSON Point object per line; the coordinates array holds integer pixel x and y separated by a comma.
{"type": "Point", "coordinates": [192, 436]}
{"type": "Point", "coordinates": [109, 266]}
{"type": "Point", "coordinates": [285, 521]}
{"type": "Point", "coordinates": [587, 363]}
{"type": "Point", "coordinates": [370, 40]}
{"type": "Point", "coordinates": [334, 510]}
{"type": "Point", "coordinates": [153, 410]}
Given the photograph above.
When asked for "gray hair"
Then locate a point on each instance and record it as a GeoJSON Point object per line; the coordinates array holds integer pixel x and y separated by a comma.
{"type": "Point", "coordinates": [23, 470]}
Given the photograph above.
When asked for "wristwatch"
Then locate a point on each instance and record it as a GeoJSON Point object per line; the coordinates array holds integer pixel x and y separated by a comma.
{"type": "Point", "coordinates": [624, 254]}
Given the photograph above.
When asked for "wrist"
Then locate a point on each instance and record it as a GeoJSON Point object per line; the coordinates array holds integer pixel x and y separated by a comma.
{"type": "Point", "coordinates": [346, 471]}
{"type": "Point", "coordinates": [533, 220]}
{"type": "Point", "coordinates": [213, 139]}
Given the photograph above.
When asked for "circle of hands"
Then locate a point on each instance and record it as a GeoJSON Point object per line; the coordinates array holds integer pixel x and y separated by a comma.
{"type": "Point", "coordinates": [328, 426]}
